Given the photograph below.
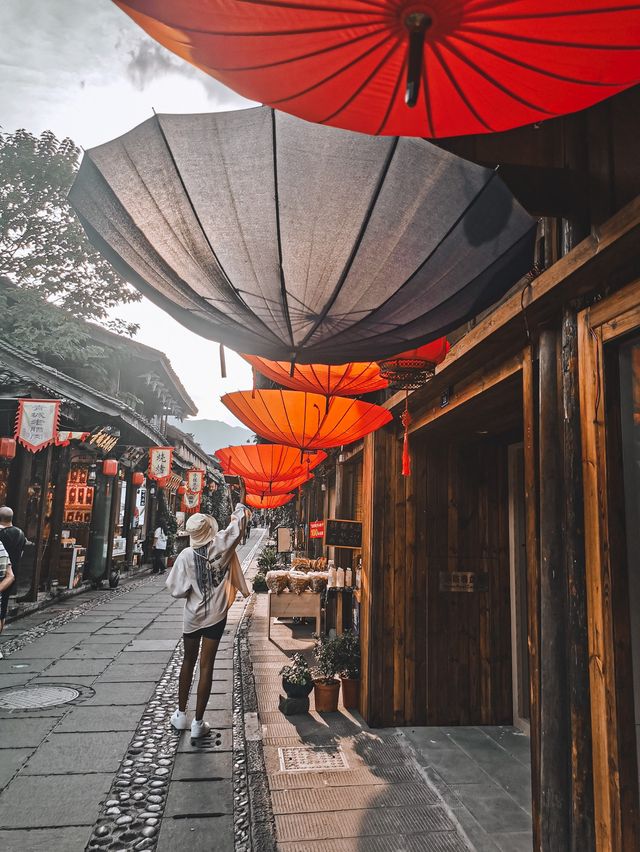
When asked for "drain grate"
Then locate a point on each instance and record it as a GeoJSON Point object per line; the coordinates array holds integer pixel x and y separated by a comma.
{"type": "Point", "coordinates": [37, 697]}
{"type": "Point", "coordinates": [301, 759]}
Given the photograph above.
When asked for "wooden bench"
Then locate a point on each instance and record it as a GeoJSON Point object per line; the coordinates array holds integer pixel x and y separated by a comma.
{"type": "Point", "coordinates": [290, 605]}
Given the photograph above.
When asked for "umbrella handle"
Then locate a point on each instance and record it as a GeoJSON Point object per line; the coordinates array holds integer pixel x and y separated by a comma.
{"type": "Point", "coordinates": [417, 23]}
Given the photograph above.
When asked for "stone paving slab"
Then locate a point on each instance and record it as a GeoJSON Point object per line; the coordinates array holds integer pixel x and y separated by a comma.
{"type": "Point", "coordinates": [16, 733]}
{"type": "Point", "coordinates": [117, 673]}
{"type": "Point", "coordinates": [83, 718]}
{"type": "Point", "coordinates": [80, 753]}
{"type": "Point", "coordinates": [211, 766]}
{"type": "Point", "coordinates": [66, 668]}
{"type": "Point", "coordinates": [120, 693]}
{"type": "Point", "coordinates": [196, 835]}
{"type": "Point", "coordinates": [44, 840]}
{"type": "Point", "coordinates": [11, 760]}
{"type": "Point", "coordinates": [61, 800]}
{"type": "Point", "coordinates": [199, 799]}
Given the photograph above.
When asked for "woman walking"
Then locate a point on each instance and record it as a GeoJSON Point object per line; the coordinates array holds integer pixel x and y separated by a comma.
{"type": "Point", "coordinates": [207, 574]}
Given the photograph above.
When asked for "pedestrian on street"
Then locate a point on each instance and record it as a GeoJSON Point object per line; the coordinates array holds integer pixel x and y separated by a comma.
{"type": "Point", "coordinates": [159, 550]}
{"type": "Point", "coordinates": [208, 575]}
{"type": "Point", "coordinates": [14, 541]}
{"type": "Point", "coordinates": [6, 581]}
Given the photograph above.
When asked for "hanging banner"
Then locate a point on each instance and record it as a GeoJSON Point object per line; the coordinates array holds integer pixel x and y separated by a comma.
{"type": "Point", "coordinates": [160, 461]}
{"type": "Point", "coordinates": [63, 438]}
{"type": "Point", "coordinates": [190, 501]}
{"type": "Point", "coordinates": [195, 479]}
{"type": "Point", "coordinates": [37, 423]}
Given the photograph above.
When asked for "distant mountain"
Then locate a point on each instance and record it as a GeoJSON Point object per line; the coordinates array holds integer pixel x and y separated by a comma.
{"type": "Point", "coordinates": [212, 435]}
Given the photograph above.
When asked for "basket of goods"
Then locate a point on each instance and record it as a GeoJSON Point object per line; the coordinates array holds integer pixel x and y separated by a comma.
{"type": "Point", "coordinates": [298, 581]}
{"type": "Point", "coordinates": [277, 581]}
{"type": "Point", "coordinates": [318, 580]}
{"type": "Point", "coordinates": [300, 564]}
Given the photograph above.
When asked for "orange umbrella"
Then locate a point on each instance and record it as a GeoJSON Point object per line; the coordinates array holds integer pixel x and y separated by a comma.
{"type": "Point", "coordinates": [308, 421]}
{"type": "Point", "coordinates": [413, 367]}
{"type": "Point", "coordinates": [284, 486]}
{"type": "Point", "coordinates": [267, 462]}
{"type": "Point", "coordinates": [270, 501]}
{"type": "Point", "coordinates": [342, 379]}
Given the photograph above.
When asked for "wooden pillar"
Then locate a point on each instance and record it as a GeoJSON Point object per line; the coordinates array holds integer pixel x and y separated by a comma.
{"type": "Point", "coordinates": [19, 487]}
{"type": "Point", "coordinates": [42, 509]}
{"type": "Point", "coordinates": [554, 727]}
{"type": "Point", "coordinates": [63, 464]}
{"type": "Point", "coordinates": [582, 807]}
{"type": "Point", "coordinates": [529, 392]}
{"type": "Point", "coordinates": [129, 512]}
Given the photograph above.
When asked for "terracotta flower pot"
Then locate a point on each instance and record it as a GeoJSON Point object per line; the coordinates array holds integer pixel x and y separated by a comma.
{"type": "Point", "coordinates": [296, 690]}
{"type": "Point", "coordinates": [351, 693]}
{"type": "Point", "coordinates": [326, 695]}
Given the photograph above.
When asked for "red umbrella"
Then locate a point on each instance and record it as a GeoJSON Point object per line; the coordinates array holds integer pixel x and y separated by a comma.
{"type": "Point", "coordinates": [267, 462]}
{"type": "Point", "coordinates": [392, 67]}
{"type": "Point", "coordinates": [284, 486]}
{"type": "Point", "coordinates": [269, 501]}
{"type": "Point", "coordinates": [341, 380]}
{"type": "Point", "coordinates": [308, 421]}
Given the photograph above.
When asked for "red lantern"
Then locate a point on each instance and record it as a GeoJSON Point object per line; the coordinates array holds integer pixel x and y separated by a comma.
{"type": "Point", "coordinates": [412, 369]}
{"type": "Point", "coordinates": [7, 448]}
{"type": "Point", "coordinates": [182, 488]}
{"type": "Point", "coordinates": [110, 467]}
{"type": "Point", "coordinates": [137, 479]}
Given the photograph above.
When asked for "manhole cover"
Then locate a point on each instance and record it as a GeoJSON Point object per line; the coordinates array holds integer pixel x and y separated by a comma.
{"type": "Point", "coordinates": [35, 697]}
{"type": "Point", "coordinates": [300, 759]}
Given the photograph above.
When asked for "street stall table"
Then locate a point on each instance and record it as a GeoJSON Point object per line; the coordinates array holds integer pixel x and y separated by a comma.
{"type": "Point", "coordinates": [289, 605]}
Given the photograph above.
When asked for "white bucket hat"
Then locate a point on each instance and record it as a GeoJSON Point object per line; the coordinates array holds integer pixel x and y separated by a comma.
{"type": "Point", "coordinates": [201, 528]}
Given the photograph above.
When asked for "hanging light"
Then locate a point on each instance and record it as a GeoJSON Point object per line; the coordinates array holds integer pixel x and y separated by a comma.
{"type": "Point", "coordinates": [411, 369]}
{"type": "Point", "coordinates": [7, 448]}
{"type": "Point", "coordinates": [110, 467]}
{"type": "Point", "coordinates": [137, 479]}
{"type": "Point", "coordinates": [182, 488]}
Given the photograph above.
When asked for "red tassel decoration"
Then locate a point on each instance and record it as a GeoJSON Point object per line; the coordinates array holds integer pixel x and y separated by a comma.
{"type": "Point", "coordinates": [405, 419]}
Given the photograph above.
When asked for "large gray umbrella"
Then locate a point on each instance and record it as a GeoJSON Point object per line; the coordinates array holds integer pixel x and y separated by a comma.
{"type": "Point", "coordinates": [292, 240]}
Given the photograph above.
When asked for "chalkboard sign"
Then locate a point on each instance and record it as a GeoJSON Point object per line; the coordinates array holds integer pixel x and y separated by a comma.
{"type": "Point", "coordinates": [343, 534]}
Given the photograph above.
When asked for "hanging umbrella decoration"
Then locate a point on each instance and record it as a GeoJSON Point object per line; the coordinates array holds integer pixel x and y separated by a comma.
{"type": "Point", "coordinates": [293, 241]}
{"type": "Point", "coordinates": [354, 379]}
{"type": "Point", "coordinates": [268, 462]}
{"type": "Point", "coordinates": [433, 69]}
{"type": "Point", "coordinates": [307, 421]}
{"type": "Point", "coordinates": [268, 501]}
{"type": "Point", "coordinates": [408, 371]}
{"type": "Point", "coordinates": [283, 486]}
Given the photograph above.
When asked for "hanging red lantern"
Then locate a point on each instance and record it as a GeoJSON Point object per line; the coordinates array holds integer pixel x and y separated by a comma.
{"type": "Point", "coordinates": [110, 467]}
{"type": "Point", "coordinates": [7, 448]}
{"type": "Point", "coordinates": [182, 488]}
{"type": "Point", "coordinates": [137, 479]}
{"type": "Point", "coordinates": [412, 369]}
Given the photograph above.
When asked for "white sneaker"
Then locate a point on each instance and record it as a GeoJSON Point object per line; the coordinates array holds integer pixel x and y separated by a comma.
{"type": "Point", "coordinates": [199, 729]}
{"type": "Point", "coordinates": [179, 721]}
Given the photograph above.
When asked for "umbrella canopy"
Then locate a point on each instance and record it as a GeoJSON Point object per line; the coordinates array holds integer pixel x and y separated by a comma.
{"type": "Point", "coordinates": [306, 420]}
{"type": "Point", "coordinates": [438, 68]}
{"type": "Point", "coordinates": [256, 486]}
{"type": "Point", "coordinates": [268, 462]}
{"type": "Point", "coordinates": [300, 242]}
{"type": "Point", "coordinates": [268, 501]}
{"type": "Point", "coordinates": [340, 380]}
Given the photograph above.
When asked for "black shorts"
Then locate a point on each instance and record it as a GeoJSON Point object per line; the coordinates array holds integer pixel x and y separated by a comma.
{"type": "Point", "coordinates": [213, 632]}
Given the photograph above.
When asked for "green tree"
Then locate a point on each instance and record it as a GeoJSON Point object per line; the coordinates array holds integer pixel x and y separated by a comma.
{"type": "Point", "coordinates": [45, 253]}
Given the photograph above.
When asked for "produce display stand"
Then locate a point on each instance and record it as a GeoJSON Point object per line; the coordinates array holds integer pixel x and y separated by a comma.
{"type": "Point", "coordinates": [290, 605]}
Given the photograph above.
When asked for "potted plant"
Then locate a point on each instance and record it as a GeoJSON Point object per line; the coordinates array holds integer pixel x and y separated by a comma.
{"type": "Point", "coordinates": [260, 582]}
{"type": "Point", "coordinates": [349, 668]}
{"type": "Point", "coordinates": [268, 560]}
{"type": "Point", "coordinates": [297, 681]}
{"type": "Point", "coordinates": [326, 687]}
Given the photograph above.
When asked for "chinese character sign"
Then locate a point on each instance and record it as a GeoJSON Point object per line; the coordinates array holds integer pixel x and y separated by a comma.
{"type": "Point", "coordinates": [316, 529]}
{"type": "Point", "coordinates": [195, 480]}
{"type": "Point", "coordinates": [37, 423]}
{"type": "Point", "coordinates": [190, 501]}
{"type": "Point", "coordinates": [160, 461]}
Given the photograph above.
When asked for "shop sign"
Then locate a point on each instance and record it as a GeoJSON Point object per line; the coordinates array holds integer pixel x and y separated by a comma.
{"type": "Point", "coordinates": [63, 438]}
{"type": "Point", "coordinates": [316, 529]}
{"type": "Point", "coordinates": [190, 501]}
{"type": "Point", "coordinates": [37, 423]}
{"type": "Point", "coordinates": [160, 461]}
{"type": "Point", "coordinates": [195, 479]}
{"type": "Point", "coordinates": [105, 438]}
{"type": "Point", "coordinates": [343, 534]}
{"type": "Point", "coordinates": [464, 581]}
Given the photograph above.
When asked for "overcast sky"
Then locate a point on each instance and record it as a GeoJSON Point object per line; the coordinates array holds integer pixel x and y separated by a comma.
{"type": "Point", "coordinates": [83, 69]}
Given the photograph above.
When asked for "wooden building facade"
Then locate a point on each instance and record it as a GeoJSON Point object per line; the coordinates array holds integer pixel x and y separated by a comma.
{"type": "Point", "coordinates": [501, 580]}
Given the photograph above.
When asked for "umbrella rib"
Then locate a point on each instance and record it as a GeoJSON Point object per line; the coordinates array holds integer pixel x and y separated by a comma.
{"type": "Point", "coordinates": [341, 70]}
{"type": "Point", "coordinates": [542, 71]}
{"type": "Point", "coordinates": [304, 7]}
{"type": "Point", "coordinates": [283, 286]}
{"type": "Point", "coordinates": [299, 58]}
{"type": "Point", "coordinates": [463, 97]}
{"type": "Point", "coordinates": [354, 249]}
{"type": "Point", "coordinates": [202, 230]}
{"type": "Point", "coordinates": [433, 251]}
{"type": "Point", "coordinates": [528, 16]}
{"type": "Point", "coordinates": [549, 42]}
{"type": "Point", "coordinates": [425, 95]}
{"type": "Point", "coordinates": [394, 95]}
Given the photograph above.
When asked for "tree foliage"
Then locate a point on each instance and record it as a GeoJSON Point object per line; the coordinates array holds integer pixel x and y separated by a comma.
{"type": "Point", "coordinates": [45, 252]}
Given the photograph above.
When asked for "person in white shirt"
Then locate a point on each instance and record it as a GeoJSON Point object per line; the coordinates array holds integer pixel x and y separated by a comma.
{"type": "Point", "coordinates": [207, 575]}
{"type": "Point", "coordinates": [6, 581]}
{"type": "Point", "coordinates": [159, 551]}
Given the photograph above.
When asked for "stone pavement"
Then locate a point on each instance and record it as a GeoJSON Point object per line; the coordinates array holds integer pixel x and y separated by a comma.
{"type": "Point", "coordinates": [106, 771]}
{"type": "Point", "coordinates": [382, 790]}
